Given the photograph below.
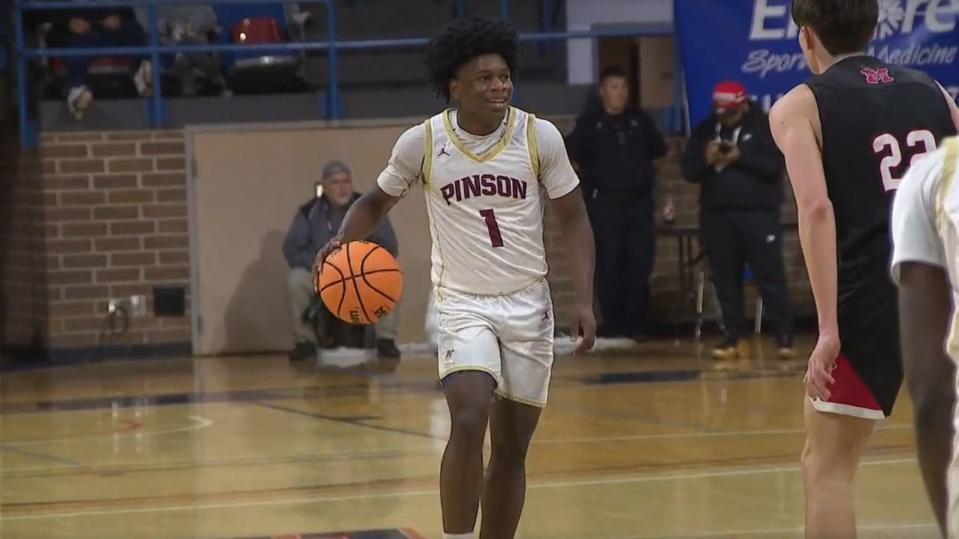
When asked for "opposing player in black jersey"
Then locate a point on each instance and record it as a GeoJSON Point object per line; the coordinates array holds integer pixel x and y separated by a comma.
{"type": "Point", "coordinates": [848, 135]}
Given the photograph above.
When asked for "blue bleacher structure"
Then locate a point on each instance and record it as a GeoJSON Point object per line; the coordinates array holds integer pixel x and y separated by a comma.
{"type": "Point", "coordinates": [280, 62]}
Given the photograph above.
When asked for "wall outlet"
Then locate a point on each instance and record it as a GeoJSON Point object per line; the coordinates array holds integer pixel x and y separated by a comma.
{"type": "Point", "coordinates": [138, 305]}
{"type": "Point", "coordinates": [135, 306]}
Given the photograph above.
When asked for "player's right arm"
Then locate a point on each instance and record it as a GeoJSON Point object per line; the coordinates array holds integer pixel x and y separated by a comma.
{"type": "Point", "coordinates": [794, 121]}
{"type": "Point", "coordinates": [366, 214]}
{"type": "Point", "coordinates": [924, 310]}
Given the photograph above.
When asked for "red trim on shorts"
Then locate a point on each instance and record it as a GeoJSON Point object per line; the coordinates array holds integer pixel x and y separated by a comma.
{"type": "Point", "coordinates": [849, 394]}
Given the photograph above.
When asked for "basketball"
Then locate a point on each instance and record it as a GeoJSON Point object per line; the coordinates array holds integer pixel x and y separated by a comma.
{"type": "Point", "coordinates": [360, 282]}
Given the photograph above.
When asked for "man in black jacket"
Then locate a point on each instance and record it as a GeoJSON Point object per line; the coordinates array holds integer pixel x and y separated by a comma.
{"type": "Point", "coordinates": [313, 225]}
{"type": "Point", "coordinates": [740, 170]}
{"type": "Point", "coordinates": [613, 148]}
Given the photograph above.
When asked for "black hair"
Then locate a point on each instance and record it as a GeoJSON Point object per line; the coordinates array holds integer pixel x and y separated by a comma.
{"type": "Point", "coordinates": [843, 26]}
{"type": "Point", "coordinates": [610, 72]}
{"type": "Point", "coordinates": [465, 39]}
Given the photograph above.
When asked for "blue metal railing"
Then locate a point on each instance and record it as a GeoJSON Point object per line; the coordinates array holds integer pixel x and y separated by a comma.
{"type": "Point", "coordinates": [332, 47]}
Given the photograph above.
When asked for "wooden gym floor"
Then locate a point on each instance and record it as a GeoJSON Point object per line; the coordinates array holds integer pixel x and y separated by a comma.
{"type": "Point", "coordinates": [648, 443]}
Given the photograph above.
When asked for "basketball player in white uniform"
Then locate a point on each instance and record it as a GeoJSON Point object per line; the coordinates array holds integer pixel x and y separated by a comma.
{"type": "Point", "coordinates": [484, 168]}
{"type": "Point", "coordinates": [925, 226]}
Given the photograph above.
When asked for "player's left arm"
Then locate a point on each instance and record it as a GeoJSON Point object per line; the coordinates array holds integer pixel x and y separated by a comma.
{"type": "Point", "coordinates": [562, 187]}
{"type": "Point", "coordinates": [385, 236]}
{"type": "Point", "coordinates": [953, 108]}
{"type": "Point", "coordinates": [924, 310]}
{"type": "Point", "coordinates": [792, 128]}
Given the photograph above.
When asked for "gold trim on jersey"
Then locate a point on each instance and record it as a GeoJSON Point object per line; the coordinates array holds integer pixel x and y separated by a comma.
{"type": "Point", "coordinates": [428, 151]}
{"type": "Point", "coordinates": [531, 144]}
{"type": "Point", "coordinates": [949, 165]}
{"type": "Point", "coordinates": [502, 394]}
{"type": "Point", "coordinates": [948, 174]}
{"type": "Point", "coordinates": [461, 368]}
{"type": "Point", "coordinates": [488, 154]}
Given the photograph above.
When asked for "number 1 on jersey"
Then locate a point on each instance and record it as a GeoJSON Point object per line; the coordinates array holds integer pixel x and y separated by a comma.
{"type": "Point", "coordinates": [494, 235]}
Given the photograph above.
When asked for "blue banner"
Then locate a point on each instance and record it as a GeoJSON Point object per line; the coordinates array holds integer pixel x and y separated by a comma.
{"type": "Point", "coordinates": [756, 43]}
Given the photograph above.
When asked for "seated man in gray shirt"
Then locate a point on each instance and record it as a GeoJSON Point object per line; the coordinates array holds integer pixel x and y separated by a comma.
{"type": "Point", "coordinates": [313, 225]}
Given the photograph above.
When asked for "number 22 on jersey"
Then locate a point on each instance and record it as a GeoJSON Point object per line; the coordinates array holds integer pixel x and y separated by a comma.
{"type": "Point", "coordinates": [920, 142]}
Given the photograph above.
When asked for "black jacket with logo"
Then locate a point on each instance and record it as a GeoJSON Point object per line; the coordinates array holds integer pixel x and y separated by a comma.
{"type": "Point", "coordinates": [615, 153]}
{"type": "Point", "coordinates": [752, 182]}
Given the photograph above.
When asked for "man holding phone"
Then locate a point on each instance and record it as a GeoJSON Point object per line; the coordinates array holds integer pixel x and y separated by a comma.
{"type": "Point", "coordinates": [734, 159]}
{"type": "Point", "coordinates": [314, 224]}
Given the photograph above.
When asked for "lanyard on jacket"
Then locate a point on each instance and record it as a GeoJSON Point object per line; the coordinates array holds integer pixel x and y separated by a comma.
{"type": "Point", "coordinates": [719, 137]}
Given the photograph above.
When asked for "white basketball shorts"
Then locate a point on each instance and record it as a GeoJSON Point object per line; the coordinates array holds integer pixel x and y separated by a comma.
{"type": "Point", "coordinates": [510, 337]}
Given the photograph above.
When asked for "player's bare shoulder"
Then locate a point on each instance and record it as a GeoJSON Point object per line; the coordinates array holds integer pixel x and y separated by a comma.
{"type": "Point", "coordinates": [800, 102]}
{"type": "Point", "coordinates": [795, 109]}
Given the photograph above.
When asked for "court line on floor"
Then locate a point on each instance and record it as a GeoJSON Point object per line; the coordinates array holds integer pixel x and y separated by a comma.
{"type": "Point", "coordinates": [199, 423]}
{"type": "Point", "coordinates": [727, 533]}
{"type": "Point", "coordinates": [399, 387]}
{"type": "Point", "coordinates": [353, 422]}
{"type": "Point", "coordinates": [368, 455]}
{"type": "Point", "coordinates": [152, 466]}
{"type": "Point", "coordinates": [38, 455]}
{"type": "Point", "coordinates": [711, 434]}
{"type": "Point", "coordinates": [433, 492]}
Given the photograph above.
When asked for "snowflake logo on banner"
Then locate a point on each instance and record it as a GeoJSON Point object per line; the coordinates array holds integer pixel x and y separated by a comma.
{"type": "Point", "coordinates": [891, 16]}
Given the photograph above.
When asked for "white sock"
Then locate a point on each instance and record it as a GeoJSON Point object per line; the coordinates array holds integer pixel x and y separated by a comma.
{"type": "Point", "coordinates": [458, 535]}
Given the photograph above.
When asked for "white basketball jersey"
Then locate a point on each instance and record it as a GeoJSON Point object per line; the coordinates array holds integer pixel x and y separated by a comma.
{"type": "Point", "coordinates": [946, 218]}
{"type": "Point", "coordinates": [947, 222]}
{"type": "Point", "coordinates": [486, 210]}
{"type": "Point", "coordinates": [925, 227]}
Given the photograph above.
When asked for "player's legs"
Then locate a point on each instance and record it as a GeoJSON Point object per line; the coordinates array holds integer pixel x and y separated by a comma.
{"type": "Point", "coordinates": [468, 394]}
{"type": "Point", "coordinates": [834, 446]}
{"type": "Point", "coordinates": [511, 428]}
{"type": "Point", "coordinates": [469, 365]}
{"type": "Point", "coordinates": [525, 332]}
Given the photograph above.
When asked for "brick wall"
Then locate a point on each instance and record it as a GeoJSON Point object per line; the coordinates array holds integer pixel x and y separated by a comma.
{"type": "Point", "coordinates": [115, 225]}
{"type": "Point", "coordinates": [665, 279]}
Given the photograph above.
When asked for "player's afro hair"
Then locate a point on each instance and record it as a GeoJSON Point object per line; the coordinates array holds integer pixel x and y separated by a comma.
{"type": "Point", "coordinates": [465, 39]}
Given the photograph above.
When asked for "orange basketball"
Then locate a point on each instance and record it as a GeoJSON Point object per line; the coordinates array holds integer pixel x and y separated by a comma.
{"type": "Point", "coordinates": [360, 282]}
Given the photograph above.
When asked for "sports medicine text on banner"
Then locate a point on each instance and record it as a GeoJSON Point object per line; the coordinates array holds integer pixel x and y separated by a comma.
{"type": "Point", "coordinates": [757, 43]}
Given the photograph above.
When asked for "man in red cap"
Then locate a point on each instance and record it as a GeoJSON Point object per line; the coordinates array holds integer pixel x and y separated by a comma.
{"type": "Point", "coordinates": [733, 158]}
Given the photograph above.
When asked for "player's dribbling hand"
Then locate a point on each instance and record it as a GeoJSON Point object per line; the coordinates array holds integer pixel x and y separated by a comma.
{"type": "Point", "coordinates": [821, 363]}
{"type": "Point", "coordinates": [321, 255]}
{"type": "Point", "coordinates": [584, 327]}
